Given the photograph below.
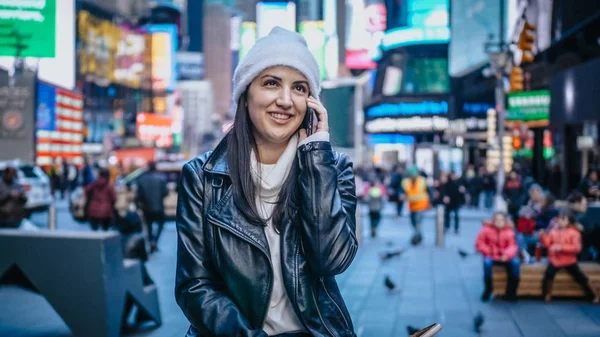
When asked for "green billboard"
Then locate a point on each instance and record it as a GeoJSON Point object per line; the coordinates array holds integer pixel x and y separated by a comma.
{"type": "Point", "coordinates": [314, 34]}
{"type": "Point", "coordinates": [28, 28]}
{"type": "Point", "coordinates": [529, 106]}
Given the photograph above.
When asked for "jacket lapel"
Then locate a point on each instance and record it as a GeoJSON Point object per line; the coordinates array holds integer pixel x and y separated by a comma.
{"type": "Point", "coordinates": [223, 212]}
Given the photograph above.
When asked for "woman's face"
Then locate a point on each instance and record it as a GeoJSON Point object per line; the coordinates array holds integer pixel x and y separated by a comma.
{"type": "Point", "coordinates": [499, 221]}
{"type": "Point", "coordinates": [563, 221]}
{"type": "Point", "coordinates": [277, 104]}
{"type": "Point", "coordinates": [594, 176]}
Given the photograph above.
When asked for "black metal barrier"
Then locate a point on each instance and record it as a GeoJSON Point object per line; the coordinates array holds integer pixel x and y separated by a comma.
{"type": "Point", "coordinates": [81, 274]}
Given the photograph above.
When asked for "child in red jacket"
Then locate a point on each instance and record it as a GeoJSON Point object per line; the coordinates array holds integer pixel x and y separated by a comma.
{"type": "Point", "coordinates": [496, 242]}
{"type": "Point", "coordinates": [564, 243]}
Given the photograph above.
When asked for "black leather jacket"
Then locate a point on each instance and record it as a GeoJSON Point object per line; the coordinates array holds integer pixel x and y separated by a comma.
{"type": "Point", "coordinates": [224, 273]}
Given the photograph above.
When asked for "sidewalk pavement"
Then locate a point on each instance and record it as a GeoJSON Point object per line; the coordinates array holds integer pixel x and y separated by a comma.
{"type": "Point", "coordinates": [435, 285]}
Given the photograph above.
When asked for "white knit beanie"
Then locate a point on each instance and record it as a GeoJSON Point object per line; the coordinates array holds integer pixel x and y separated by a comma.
{"type": "Point", "coordinates": [280, 48]}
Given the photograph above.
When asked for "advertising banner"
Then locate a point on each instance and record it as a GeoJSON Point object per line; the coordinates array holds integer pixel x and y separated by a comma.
{"type": "Point", "coordinates": [190, 65]}
{"type": "Point", "coordinates": [31, 24]}
{"type": "Point", "coordinates": [314, 34]}
{"type": "Point", "coordinates": [17, 118]}
{"type": "Point", "coordinates": [98, 41]}
{"type": "Point", "coordinates": [271, 14]}
{"type": "Point", "coordinates": [46, 105]}
{"type": "Point", "coordinates": [247, 38]}
{"type": "Point", "coordinates": [529, 106]}
{"type": "Point", "coordinates": [364, 31]}
{"type": "Point", "coordinates": [155, 128]}
{"type": "Point", "coordinates": [129, 58]}
{"type": "Point", "coordinates": [164, 56]}
{"type": "Point", "coordinates": [408, 116]}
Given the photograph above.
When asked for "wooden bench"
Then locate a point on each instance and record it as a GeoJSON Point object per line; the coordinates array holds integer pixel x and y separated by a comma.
{"type": "Point", "coordinates": [533, 274]}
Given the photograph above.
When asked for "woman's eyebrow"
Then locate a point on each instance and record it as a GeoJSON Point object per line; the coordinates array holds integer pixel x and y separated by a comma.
{"type": "Point", "coordinates": [301, 82]}
{"type": "Point", "coordinates": [274, 77]}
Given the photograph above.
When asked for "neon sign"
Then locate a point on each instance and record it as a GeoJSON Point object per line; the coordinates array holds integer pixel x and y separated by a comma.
{"type": "Point", "coordinates": [408, 108]}
{"type": "Point", "coordinates": [401, 37]}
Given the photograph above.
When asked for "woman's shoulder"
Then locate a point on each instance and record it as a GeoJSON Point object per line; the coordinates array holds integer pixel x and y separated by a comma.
{"type": "Point", "coordinates": [198, 162]}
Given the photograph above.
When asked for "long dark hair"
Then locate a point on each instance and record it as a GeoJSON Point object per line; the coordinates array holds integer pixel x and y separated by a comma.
{"type": "Point", "coordinates": [240, 143]}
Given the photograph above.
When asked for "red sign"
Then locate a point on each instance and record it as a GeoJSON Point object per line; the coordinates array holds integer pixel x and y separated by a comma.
{"type": "Point", "coordinates": [153, 127]}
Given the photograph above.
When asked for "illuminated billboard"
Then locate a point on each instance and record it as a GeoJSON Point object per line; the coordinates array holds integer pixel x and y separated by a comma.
{"type": "Point", "coordinates": [30, 24]}
{"type": "Point", "coordinates": [314, 34]}
{"type": "Point", "coordinates": [59, 37]}
{"type": "Point", "coordinates": [164, 56]}
{"type": "Point", "coordinates": [271, 14]}
{"type": "Point", "coordinates": [426, 23]}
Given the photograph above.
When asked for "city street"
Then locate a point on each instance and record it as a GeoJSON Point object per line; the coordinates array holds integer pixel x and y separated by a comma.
{"type": "Point", "coordinates": [435, 285]}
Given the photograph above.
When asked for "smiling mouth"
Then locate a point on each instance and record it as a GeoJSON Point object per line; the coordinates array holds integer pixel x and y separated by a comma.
{"type": "Point", "coordinates": [280, 116]}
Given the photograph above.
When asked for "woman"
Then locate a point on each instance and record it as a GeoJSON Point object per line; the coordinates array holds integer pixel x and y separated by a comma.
{"type": "Point", "coordinates": [513, 194]}
{"type": "Point", "coordinates": [590, 185]}
{"type": "Point", "coordinates": [266, 220]}
{"type": "Point", "coordinates": [101, 201]}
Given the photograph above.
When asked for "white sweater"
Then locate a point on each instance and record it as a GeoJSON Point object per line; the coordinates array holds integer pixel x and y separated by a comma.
{"type": "Point", "coordinates": [281, 317]}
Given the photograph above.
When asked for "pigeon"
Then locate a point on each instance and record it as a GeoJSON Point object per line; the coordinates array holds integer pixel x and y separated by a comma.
{"type": "Point", "coordinates": [462, 253]}
{"type": "Point", "coordinates": [478, 322]}
{"type": "Point", "coordinates": [389, 284]}
{"type": "Point", "coordinates": [391, 254]}
{"type": "Point", "coordinates": [411, 329]}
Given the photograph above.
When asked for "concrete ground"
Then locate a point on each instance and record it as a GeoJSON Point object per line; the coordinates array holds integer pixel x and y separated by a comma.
{"type": "Point", "coordinates": [435, 285]}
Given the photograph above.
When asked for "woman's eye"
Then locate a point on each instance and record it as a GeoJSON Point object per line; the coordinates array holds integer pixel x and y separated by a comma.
{"type": "Point", "coordinates": [300, 88]}
{"type": "Point", "coordinates": [270, 83]}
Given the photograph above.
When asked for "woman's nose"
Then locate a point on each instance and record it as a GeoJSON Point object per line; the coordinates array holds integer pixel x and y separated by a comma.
{"type": "Point", "coordinates": [285, 98]}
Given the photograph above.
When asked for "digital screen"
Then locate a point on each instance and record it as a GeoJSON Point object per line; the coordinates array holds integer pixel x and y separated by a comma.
{"type": "Point", "coordinates": [271, 14]}
{"type": "Point", "coordinates": [164, 56]}
{"type": "Point", "coordinates": [53, 41]}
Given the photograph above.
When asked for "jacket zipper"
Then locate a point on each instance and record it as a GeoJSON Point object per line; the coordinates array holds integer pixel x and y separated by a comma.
{"type": "Point", "coordinates": [312, 181]}
{"type": "Point", "coordinates": [271, 274]}
{"type": "Point", "coordinates": [334, 303]}
{"type": "Point", "coordinates": [321, 317]}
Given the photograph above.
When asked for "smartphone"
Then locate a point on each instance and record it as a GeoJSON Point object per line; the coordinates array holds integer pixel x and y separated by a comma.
{"type": "Point", "coordinates": [428, 331]}
{"type": "Point", "coordinates": [308, 121]}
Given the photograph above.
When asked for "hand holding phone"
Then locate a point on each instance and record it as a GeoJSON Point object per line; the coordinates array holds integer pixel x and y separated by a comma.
{"type": "Point", "coordinates": [308, 122]}
{"type": "Point", "coordinates": [428, 331]}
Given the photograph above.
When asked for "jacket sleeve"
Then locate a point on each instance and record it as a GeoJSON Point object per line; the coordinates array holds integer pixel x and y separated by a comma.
{"type": "Point", "coordinates": [546, 239]}
{"type": "Point", "coordinates": [574, 246]}
{"type": "Point", "coordinates": [480, 244]}
{"type": "Point", "coordinates": [328, 211]}
{"type": "Point", "coordinates": [198, 290]}
{"type": "Point", "coordinates": [512, 249]}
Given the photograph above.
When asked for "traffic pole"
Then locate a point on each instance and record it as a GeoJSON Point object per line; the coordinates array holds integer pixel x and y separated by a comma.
{"type": "Point", "coordinates": [439, 226]}
{"type": "Point", "coordinates": [52, 216]}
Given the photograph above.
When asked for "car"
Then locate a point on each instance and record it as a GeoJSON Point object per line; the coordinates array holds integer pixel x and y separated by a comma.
{"type": "Point", "coordinates": [36, 184]}
{"type": "Point", "coordinates": [126, 187]}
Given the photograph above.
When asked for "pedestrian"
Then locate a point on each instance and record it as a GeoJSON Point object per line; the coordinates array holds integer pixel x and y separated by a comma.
{"type": "Point", "coordinates": [151, 192]}
{"type": "Point", "coordinates": [513, 194]}
{"type": "Point", "coordinates": [496, 242]}
{"type": "Point", "coordinates": [267, 219]}
{"type": "Point", "coordinates": [452, 198]}
{"type": "Point", "coordinates": [87, 173]}
{"type": "Point", "coordinates": [488, 186]}
{"type": "Point", "coordinates": [12, 200]}
{"type": "Point", "coordinates": [101, 201]}
{"type": "Point", "coordinates": [473, 182]}
{"type": "Point", "coordinates": [69, 178]}
{"type": "Point", "coordinates": [375, 201]}
{"type": "Point", "coordinates": [417, 195]}
{"type": "Point", "coordinates": [395, 189]}
{"type": "Point", "coordinates": [590, 185]}
{"type": "Point", "coordinates": [564, 243]}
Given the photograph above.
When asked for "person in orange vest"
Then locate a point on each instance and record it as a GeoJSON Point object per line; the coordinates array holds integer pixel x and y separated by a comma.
{"type": "Point", "coordinates": [415, 192]}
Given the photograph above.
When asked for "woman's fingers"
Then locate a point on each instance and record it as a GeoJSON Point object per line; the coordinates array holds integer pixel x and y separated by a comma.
{"type": "Point", "coordinates": [322, 116]}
